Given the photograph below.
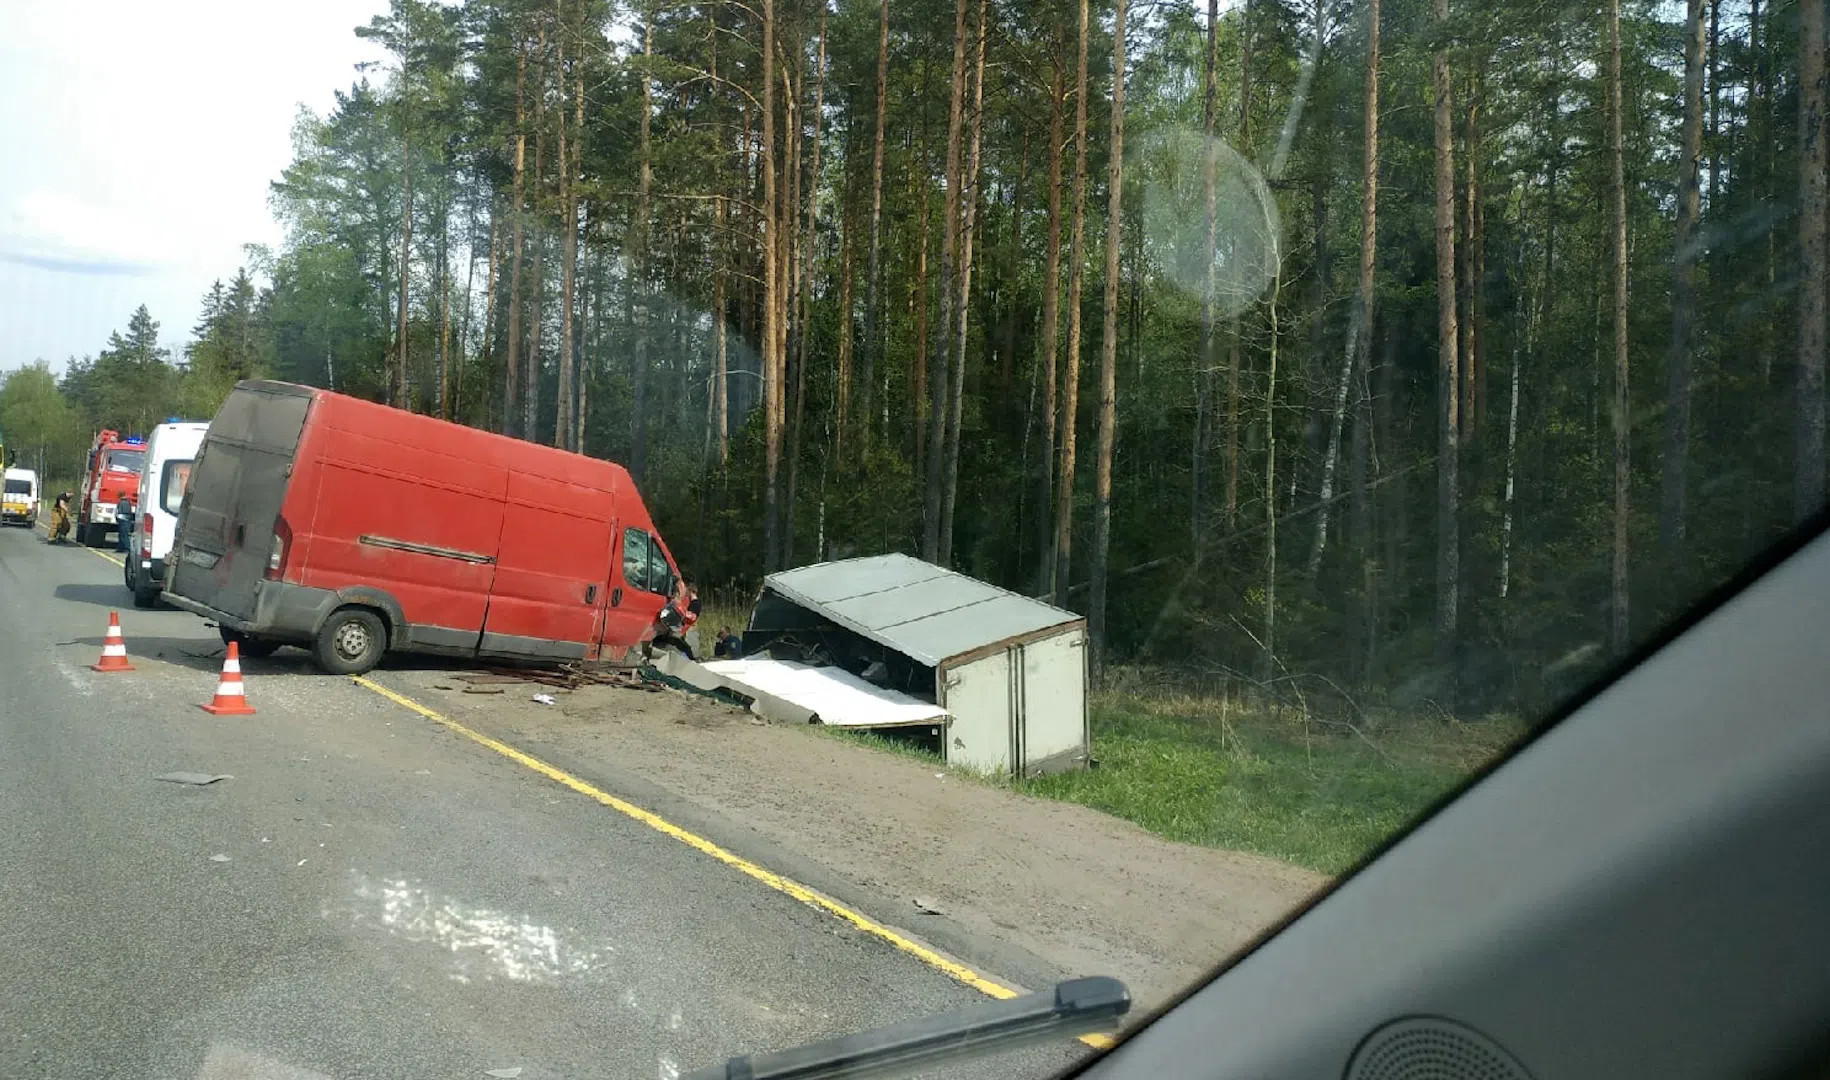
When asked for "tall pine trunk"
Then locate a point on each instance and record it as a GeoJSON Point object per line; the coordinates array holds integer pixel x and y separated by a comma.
{"type": "Point", "coordinates": [1070, 379]}
{"type": "Point", "coordinates": [1808, 490]}
{"type": "Point", "coordinates": [581, 403]}
{"type": "Point", "coordinates": [444, 310]}
{"type": "Point", "coordinates": [1359, 329]}
{"type": "Point", "coordinates": [640, 315]}
{"type": "Point", "coordinates": [1233, 358]}
{"type": "Point", "coordinates": [1048, 352]}
{"type": "Point", "coordinates": [1468, 313]}
{"type": "Point", "coordinates": [804, 287]}
{"type": "Point", "coordinates": [511, 382]}
{"type": "Point", "coordinates": [1448, 542]}
{"type": "Point", "coordinates": [720, 389]}
{"type": "Point", "coordinates": [1683, 287]}
{"type": "Point", "coordinates": [568, 251]}
{"type": "Point", "coordinates": [842, 383]}
{"type": "Point", "coordinates": [1108, 363]}
{"type": "Point", "coordinates": [874, 336]}
{"type": "Point", "coordinates": [1366, 303]}
{"type": "Point", "coordinates": [939, 382]}
{"type": "Point", "coordinates": [530, 371]}
{"type": "Point", "coordinates": [397, 383]}
{"type": "Point", "coordinates": [1206, 360]}
{"type": "Point", "coordinates": [970, 194]}
{"type": "Point", "coordinates": [772, 285]}
{"type": "Point", "coordinates": [1622, 417]}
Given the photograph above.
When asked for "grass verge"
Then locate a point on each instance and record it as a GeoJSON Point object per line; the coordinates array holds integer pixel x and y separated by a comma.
{"type": "Point", "coordinates": [1200, 772]}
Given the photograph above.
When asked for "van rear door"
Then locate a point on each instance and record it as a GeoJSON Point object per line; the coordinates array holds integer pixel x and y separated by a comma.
{"type": "Point", "coordinates": [225, 533]}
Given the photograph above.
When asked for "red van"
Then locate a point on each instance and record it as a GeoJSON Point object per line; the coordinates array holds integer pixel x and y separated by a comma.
{"type": "Point", "coordinates": [329, 522]}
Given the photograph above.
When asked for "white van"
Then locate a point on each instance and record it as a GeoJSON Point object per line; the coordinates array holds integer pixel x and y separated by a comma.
{"type": "Point", "coordinates": [170, 452]}
{"type": "Point", "coordinates": [19, 502]}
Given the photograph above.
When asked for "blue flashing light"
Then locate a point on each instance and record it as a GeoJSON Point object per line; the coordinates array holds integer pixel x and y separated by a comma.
{"type": "Point", "coordinates": [173, 420]}
{"type": "Point", "coordinates": [133, 440]}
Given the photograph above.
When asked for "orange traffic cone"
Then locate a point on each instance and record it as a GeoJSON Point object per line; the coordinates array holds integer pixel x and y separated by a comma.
{"type": "Point", "coordinates": [229, 700]}
{"type": "Point", "coordinates": [114, 647]}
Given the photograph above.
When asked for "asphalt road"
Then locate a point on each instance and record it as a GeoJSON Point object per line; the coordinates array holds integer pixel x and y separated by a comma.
{"type": "Point", "coordinates": [369, 895]}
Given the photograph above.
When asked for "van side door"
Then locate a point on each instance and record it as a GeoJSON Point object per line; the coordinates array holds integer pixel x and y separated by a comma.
{"type": "Point", "coordinates": [549, 584]}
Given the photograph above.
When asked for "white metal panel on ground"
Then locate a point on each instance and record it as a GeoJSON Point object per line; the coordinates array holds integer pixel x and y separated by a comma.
{"type": "Point", "coordinates": [978, 695]}
{"type": "Point", "coordinates": [1054, 697]}
{"type": "Point", "coordinates": [836, 696]}
{"type": "Point", "coordinates": [923, 611]}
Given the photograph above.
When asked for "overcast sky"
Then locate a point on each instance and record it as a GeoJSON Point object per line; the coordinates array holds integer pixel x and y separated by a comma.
{"type": "Point", "coordinates": [137, 141]}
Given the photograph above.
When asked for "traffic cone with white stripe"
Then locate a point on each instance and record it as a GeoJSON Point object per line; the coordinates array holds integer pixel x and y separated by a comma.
{"type": "Point", "coordinates": [114, 648]}
{"type": "Point", "coordinates": [229, 699]}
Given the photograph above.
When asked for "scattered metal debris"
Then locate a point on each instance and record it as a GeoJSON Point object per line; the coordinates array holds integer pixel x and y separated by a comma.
{"type": "Point", "coordinates": [545, 699]}
{"type": "Point", "coordinates": [219, 857]}
{"type": "Point", "coordinates": [566, 677]}
{"type": "Point", "coordinates": [197, 778]}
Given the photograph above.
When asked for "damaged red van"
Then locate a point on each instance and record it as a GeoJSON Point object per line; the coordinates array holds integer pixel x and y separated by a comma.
{"type": "Point", "coordinates": [351, 529]}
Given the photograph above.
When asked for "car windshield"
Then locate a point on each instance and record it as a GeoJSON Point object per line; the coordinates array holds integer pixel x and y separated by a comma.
{"type": "Point", "coordinates": [1129, 460]}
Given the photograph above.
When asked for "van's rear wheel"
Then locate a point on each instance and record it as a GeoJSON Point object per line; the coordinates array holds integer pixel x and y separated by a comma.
{"type": "Point", "coordinates": [143, 596]}
{"type": "Point", "coordinates": [252, 647]}
{"type": "Point", "coordinates": [350, 642]}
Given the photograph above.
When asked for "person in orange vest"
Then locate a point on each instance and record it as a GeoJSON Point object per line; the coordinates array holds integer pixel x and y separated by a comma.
{"type": "Point", "coordinates": [60, 518]}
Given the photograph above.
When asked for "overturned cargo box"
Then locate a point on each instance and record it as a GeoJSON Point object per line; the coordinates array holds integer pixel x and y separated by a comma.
{"type": "Point", "coordinates": [1009, 671]}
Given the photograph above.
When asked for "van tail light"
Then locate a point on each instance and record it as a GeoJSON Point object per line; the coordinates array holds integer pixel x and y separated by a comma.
{"type": "Point", "coordinates": [146, 535]}
{"type": "Point", "coordinates": [276, 554]}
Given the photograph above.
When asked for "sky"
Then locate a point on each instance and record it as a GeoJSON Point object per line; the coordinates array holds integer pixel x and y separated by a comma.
{"type": "Point", "coordinates": [137, 141]}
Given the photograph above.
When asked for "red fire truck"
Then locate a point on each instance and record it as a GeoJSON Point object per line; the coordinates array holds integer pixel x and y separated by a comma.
{"type": "Point", "coordinates": [112, 470]}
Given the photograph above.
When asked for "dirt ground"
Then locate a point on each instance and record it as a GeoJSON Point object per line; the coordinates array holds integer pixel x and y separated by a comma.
{"type": "Point", "coordinates": [1086, 893]}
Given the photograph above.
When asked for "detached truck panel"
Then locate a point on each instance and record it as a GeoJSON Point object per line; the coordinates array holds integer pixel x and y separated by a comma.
{"type": "Point", "coordinates": [352, 528]}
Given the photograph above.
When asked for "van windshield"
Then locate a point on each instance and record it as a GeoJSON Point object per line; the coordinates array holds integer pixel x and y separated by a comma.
{"type": "Point", "coordinates": [18, 486]}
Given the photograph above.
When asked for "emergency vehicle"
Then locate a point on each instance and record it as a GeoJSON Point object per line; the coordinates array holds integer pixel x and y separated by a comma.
{"type": "Point", "coordinates": [111, 471]}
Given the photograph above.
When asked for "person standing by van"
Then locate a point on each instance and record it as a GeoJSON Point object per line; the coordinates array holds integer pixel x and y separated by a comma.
{"type": "Point", "coordinates": [123, 522]}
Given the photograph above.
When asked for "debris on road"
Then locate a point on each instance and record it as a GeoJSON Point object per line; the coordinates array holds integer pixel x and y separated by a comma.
{"type": "Point", "coordinates": [504, 1074]}
{"type": "Point", "coordinates": [927, 907]}
{"type": "Point", "coordinates": [219, 857]}
{"type": "Point", "coordinates": [483, 690]}
{"type": "Point", "coordinates": [545, 699]}
{"type": "Point", "coordinates": [564, 677]}
{"type": "Point", "coordinates": [197, 778]}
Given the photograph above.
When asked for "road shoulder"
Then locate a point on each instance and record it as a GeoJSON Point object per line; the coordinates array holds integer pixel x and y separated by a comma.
{"type": "Point", "coordinates": [1029, 888]}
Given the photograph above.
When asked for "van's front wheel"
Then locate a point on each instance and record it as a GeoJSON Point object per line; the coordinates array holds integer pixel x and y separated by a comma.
{"type": "Point", "coordinates": [350, 642]}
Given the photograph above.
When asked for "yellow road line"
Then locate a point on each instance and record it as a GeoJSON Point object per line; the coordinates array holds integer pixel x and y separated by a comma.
{"type": "Point", "coordinates": [768, 877]}
{"type": "Point", "coordinates": [93, 551]}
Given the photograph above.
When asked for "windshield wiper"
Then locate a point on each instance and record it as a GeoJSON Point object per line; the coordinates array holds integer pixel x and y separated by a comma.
{"type": "Point", "coordinates": [1074, 1007]}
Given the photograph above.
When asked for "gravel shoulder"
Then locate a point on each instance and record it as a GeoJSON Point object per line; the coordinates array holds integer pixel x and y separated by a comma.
{"type": "Point", "coordinates": [1084, 892]}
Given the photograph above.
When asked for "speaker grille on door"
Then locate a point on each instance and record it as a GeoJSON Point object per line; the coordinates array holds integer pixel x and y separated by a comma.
{"type": "Point", "coordinates": [1431, 1048]}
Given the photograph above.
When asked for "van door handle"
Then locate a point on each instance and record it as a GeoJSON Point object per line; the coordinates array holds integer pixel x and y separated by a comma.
{"type": "Point", "coordinates": [616, 596]}
{"type": "Point", "coordinates": [590, 594]}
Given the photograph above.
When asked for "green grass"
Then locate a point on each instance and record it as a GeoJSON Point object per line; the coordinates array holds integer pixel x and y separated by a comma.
{"type": "Point", "coordinates": [1197, 772]}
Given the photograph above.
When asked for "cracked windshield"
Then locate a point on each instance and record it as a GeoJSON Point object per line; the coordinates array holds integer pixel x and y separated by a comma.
{"type": "Point", "coordinates": [561, 538]}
